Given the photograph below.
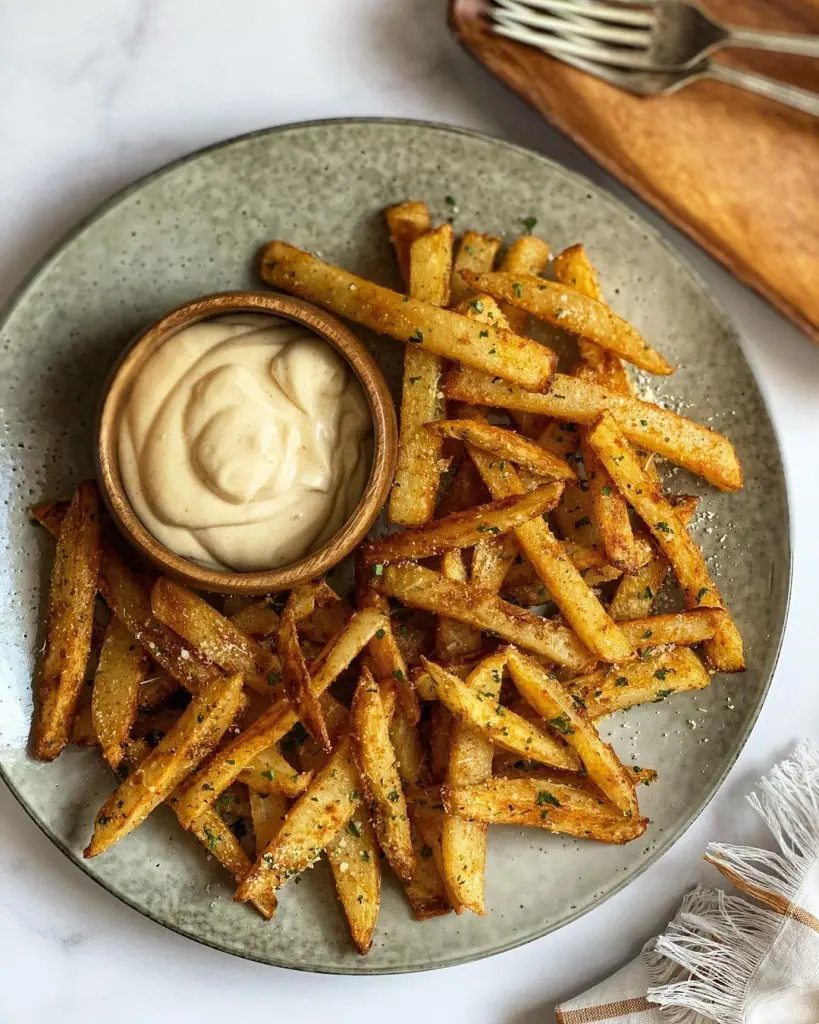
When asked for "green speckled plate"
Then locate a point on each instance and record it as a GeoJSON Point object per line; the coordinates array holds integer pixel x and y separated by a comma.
{"type": "Point", "coordinates": [193, 228]}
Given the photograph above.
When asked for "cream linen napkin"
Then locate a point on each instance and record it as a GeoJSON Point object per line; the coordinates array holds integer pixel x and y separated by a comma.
{"type": "Point", "coordinates": [725, 958]}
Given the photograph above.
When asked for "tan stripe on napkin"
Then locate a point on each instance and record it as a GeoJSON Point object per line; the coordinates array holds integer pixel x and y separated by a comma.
{"type": "Point", "coordinates": [606, 1011]}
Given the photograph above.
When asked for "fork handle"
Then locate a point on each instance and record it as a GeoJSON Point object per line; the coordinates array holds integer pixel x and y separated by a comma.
{"type": "Point", "coordinates": [790, 95]}
{"type": "Point", "coordinates": [777, 42]}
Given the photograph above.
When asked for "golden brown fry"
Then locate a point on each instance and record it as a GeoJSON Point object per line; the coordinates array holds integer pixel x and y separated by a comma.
{"type": "Point", "coordinates": [502, 726]}
{"type": "Point", "coordinates": [267, 812]}
{"type": "Point", "coordinates": [506, 445]}
{"type": "Point", "coordinates": [115, 697]}
{"type": "Point", "coordinates": [271, 772]}
{"type": "Point", "coordinates": [419, 465]}
{"type": "Point", "coordinates": [69, 622]}
{"type": "Point", "coordinates": [83, 733]}
{"type": "Point", "coordinates": [463, 843]}
{"type": "Point", "coordinates": [463, 529]}
{"type": "Point", "coordinates": [491, 560]}
{"type": "Point", "coordinates": [257, 620]}
{"type": "Point", "coordinates": [466, 490]}
{"type": "Point", "coordinates": [572, 311]}
{"type": "Point", "coordinates": [50, 515]}
{"type": "Point", "coordinates": [354, 860]}
{"type": "Point", "coordinates": [526, 255]}
{"type": "Point", "coordinates": [325, 621]}
{"type": "Point", "coordinates": [408, 750]}
{"type": "Point", "coordinates": [375, 756]}
{"type": "Point", "coordinates": [453, 638]}
{"type": "Point", "coordinates": [440, 734]}
{"type": "Point", "coordinates": [315, 819]}
{"type": "Point", "coordinates": [425, 891]}
{"type": "Point", "coordinates": [195, 734]}
{"type": "Point", "coordinates": [648, 679]}
{"type": "Point", "coordinates": [476, 252]}
{"type": "Point", "coordinates": [609, 513]}
{"type": "Point", "coordinates": [681, 628]}
{"type": "Point", "coordinates": [422, 588]}
{"type": "Point", "coordinates": [406, 222]}
{"type": "Point", "coordinates": [435, 330]}
{"type": "Point", "coordinates": [214, 636]}
{"type": "Point", "coordinates": [297, 682]}
{"type": "Point", "coordinates": [577, 603]}
{"type": "Point", "coordinates": [725, 650]}
{"type": "Point", "coordinates": [156, 689]}
{"type": "Point", "coordinates": [635, 595]}
{"type": "Point", "coordinates": [275, 722]}
{"type": "Point", "coordinates": [683, 442]}
{"type": "Point", "coordinates": [551, 701]}
{"type": "Point", "coordinates": [550, 805]}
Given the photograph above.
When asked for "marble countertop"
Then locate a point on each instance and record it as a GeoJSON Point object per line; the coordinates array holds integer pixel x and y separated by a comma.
{"type": "Point", "coordinates": [98, 92]}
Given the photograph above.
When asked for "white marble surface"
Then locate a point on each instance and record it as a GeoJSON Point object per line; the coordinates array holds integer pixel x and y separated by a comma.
{"type": "Point", "coordinates": [97, 92]}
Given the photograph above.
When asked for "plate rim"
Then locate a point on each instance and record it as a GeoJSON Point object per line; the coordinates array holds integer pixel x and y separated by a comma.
{"type": "Point", "coordinates": [75, 230]}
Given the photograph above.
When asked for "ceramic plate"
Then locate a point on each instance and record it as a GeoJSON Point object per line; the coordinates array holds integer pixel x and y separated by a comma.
{"type": "Point", "coordinates": [195, 227]}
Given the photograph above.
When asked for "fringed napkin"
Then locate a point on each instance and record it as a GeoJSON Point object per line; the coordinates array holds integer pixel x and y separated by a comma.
{"type": "Point", "coordinates": [727, 958]}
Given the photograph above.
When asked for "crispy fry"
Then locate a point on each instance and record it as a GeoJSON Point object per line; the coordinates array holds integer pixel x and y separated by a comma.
{"type": "Point", "coordinates": [267, 812]}
{"type": "Point", "coordinates": [325, 621]}
{"type": "Point", "coordinates": [406, 222]}
{"type": "Point", "coordinates": [69, 623]}
{"type": "Point", "coordinates": [526, 255]}
{"type": "Point", "coordinates": [375, 756]}
{"type": "Point", "coordinates": [408, 750]}
{"type": "Point", "coordinates": [215, 637]}
{"type": "Point", "coordinates": [465, 490]}
{"type": "Point", "coordinates": [353, 857]}
{"type": "Point", "coordinates": [506, 444]}
{"type": "Point", "coordinates": [463, 843]}
{"type": "Point", "coordinates": [551, 701]}
{"type": "Point", "coordinates": [315, 819]}
{"type": "Point", "coordinates": [725, 650]}
{"type": "Point", "coordinates": [650, 679]}
{"type": "Point", "coordinates": [463, 529]}
{"type": "Point", "coordinates": [440, 734]}
{"type": "Point", "coordinates": [435, 330]}
{"type": "Point", "coordinates": [83, 733]}
{"type": "Point", "coordinates": [419, 465]}
{"type": "Point", "coordinates": [156, 689]}
{"type": "Point", "coordinates": [271, 772]}
{"type": "Point", "coordinates": [425, 890]}
{"type": "Point", "coordinates": [257, 620]}
{"type": "Point", "coordinates": [609, 513]}
{"type": "Point", "coordinates": [197, 731]}
{"type": "Point", "coordinates": [572, 311]}
{"type": "Point", "coordinates": [550, 805]}
{"type": "Point", "coordinates": [491, 560]}
{"type": "Point", "coordinates": [297, 682]}
{"type": "Point", "coordinates": [422, 588]}
{"type": "Point", "coordinates": [452, 637]}
{"type": "Point", "coordinates": [502, 726]}
{"type": "Point", "coordinates": [683, 442]}
{"type": "Point", "coordinates": [476, 252]}
{"type": "Point", "coordinates": [275, 722]}
{"type": "Point", "coordinates": [681, 628]}
{"type": "Point", "coordinates": [115, 697]}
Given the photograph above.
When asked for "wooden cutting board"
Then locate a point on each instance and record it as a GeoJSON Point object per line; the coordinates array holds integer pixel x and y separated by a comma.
{"type": "Point", "coordinates": [738, 173]}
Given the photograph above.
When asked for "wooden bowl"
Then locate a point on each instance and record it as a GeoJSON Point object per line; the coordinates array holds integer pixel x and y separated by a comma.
{"type": "Point", "coordinates": [385, 436]}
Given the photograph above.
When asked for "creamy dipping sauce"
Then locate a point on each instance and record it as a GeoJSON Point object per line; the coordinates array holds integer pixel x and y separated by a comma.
{"type": "Point", "coordinates": [246, 443]}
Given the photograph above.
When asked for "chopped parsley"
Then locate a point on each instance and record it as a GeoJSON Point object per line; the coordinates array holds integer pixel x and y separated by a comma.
{"type": "Point", "coordinates": [545, 797]}
{"type": "Point", "coordinates": [702, 594]}
{"type": "Point", "coordinates": [605, 491]}
{"type": "Point", "coordinates": [528, 223]}
{"type": "Point", "coordinates": [488, 529]}
{"type": "Point", "coordinates": [621, 681]}
{"type": "Point", "coordinates": [392, 796]}
{"type": "Point", "coordinates": [476, 306]}
{"type": "Point", "coordinates": [378, 569]}
{"type": "Point", "coordinates": [483, 334]}
{"type": "Point", "coordinates": [353, 829]}
{"type": "Point", "coordinates": [380, 634]}
{"type": "Point", "coordinates": [562, 725]}
{"type": "Point", "coordinates": [517, 288]}
{"type": "Point", "coordinates": [414, 380]}
{"type": "Point", "coordinates": [648, 633]}
{"type": "Point", "coordinates": [268, 773]}
{"type": "Point", "coordinates": [426, 852]}
{"type": "Point", "coordinates": [664, 527]}
{"type": "Point", "coordinates": [273, 678]}
{"type": "Point", "coordinates": [417, 335]}
{"type": "Point", "coordinates": [583, 521]}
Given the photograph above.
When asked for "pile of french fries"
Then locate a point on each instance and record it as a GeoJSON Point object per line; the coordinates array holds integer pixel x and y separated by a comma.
{"type": "Point", "coordinates": [463, 685]}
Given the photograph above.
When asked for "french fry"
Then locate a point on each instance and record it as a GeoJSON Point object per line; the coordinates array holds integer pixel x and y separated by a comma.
{"type": "Point", "coordinates": [609, 513]}
{"type": "Point", "coordinates": [463, 529]}
{"type": "Point", "coordinates": [406, 222]}
{"type": "Point", "coordinates": [503, 727]}
{"type": "Point", "coordinates": [83, 733]}
{"type": "Point", "coordinates": [452, 637]}
{"type": "Point", "coordinates": [684, 629]}
{"type": "Point", "coordinates": [258, 620]}
{"type": "Point", "coordinates": [267, 812]}
{"type": "Point", "coordinates": [353, 857]}
{"type": "Point", "coordinates": [465, 490]}
{"type": "Point", "coordinates": [325, 621]}
{"type": "Point", "coordinates": [725, 650]}
{"type": "Point", "coordinates": [214, 636]}
{"type": "Point", "coordinates": [270, 772]}
{"type": "Point", "coordinates": [319, 814]}
{"type": "Point", "coordinates": [699, 449]}
{"type": "Point", "coordinates": [115, 697]}
{"type": "Point", "coordinates": [130, 601]}
{"type": "Point", "coordinates": [526, 255]}
{"type": "Point", "coordinates": [475, 252]}
{"type": "Point", "coordinates": [423, 588]}
{"type": "Point", "coordinates": [463, 843]}
{"type": "Point", "coordinates": [425, 890]}
{"type": "Point", "coordinates": [427, 689]}
{"type": "Point", "coordinates": [419, 465]}
{"type": "Point", "coordinates": [650, 679]}
{"type": "Point", "coordinates": [275, 722]}
{"type": "Point", "coordinates": [440, 734]}
{"type": "Point", "coordinates": [572, 311]}
{"type": "Point", "coordinates": [195, 734]}
{"type": "Point", "coordinates": [408, 750]}
{"type": "Point", "coordinates": [375, 756]}
{"type": "Point", "coordinates": [549, 805]}
{"type": "Point", "coordinates": [440, 331]}
{"type": "Point", "coordinates": [506, 444]}
{"type": "Point", "coordinates": [579, 606]}
{"type": "Point", "coordinates": [297, 682]}
{"type": "Point", "coordinates": [156, 689]}
{"type": "Point", "coordinates": [551, 701]}
{"type": "Point", "coordinates": [491, 561]}
{"type": "Point", "coordinates": [69, 623]}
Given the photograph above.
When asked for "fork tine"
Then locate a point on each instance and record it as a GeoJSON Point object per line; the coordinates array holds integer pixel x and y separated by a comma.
{"type": "Point", "coordinates": [523, 15]}
{"type": "Point", "coordinates": [599, 11]}
{"type": "Point", "coordinates": [568, 42]}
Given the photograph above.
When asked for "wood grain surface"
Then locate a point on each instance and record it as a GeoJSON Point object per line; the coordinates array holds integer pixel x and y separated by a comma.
{"type": "Point", "coordinates": [737, 172]}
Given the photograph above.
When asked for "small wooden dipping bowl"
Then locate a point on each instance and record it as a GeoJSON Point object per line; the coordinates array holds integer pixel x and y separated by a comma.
{"type": "Point", "coordinates": [385, 442]}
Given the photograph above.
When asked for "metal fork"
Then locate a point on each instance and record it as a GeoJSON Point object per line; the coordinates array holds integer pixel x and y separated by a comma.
{"type": "Point", "coordinates": [580, 32]}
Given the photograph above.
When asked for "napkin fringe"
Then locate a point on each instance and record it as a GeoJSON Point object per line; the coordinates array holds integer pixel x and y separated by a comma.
{"type": "Point", "coordinates": [704, 962]}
